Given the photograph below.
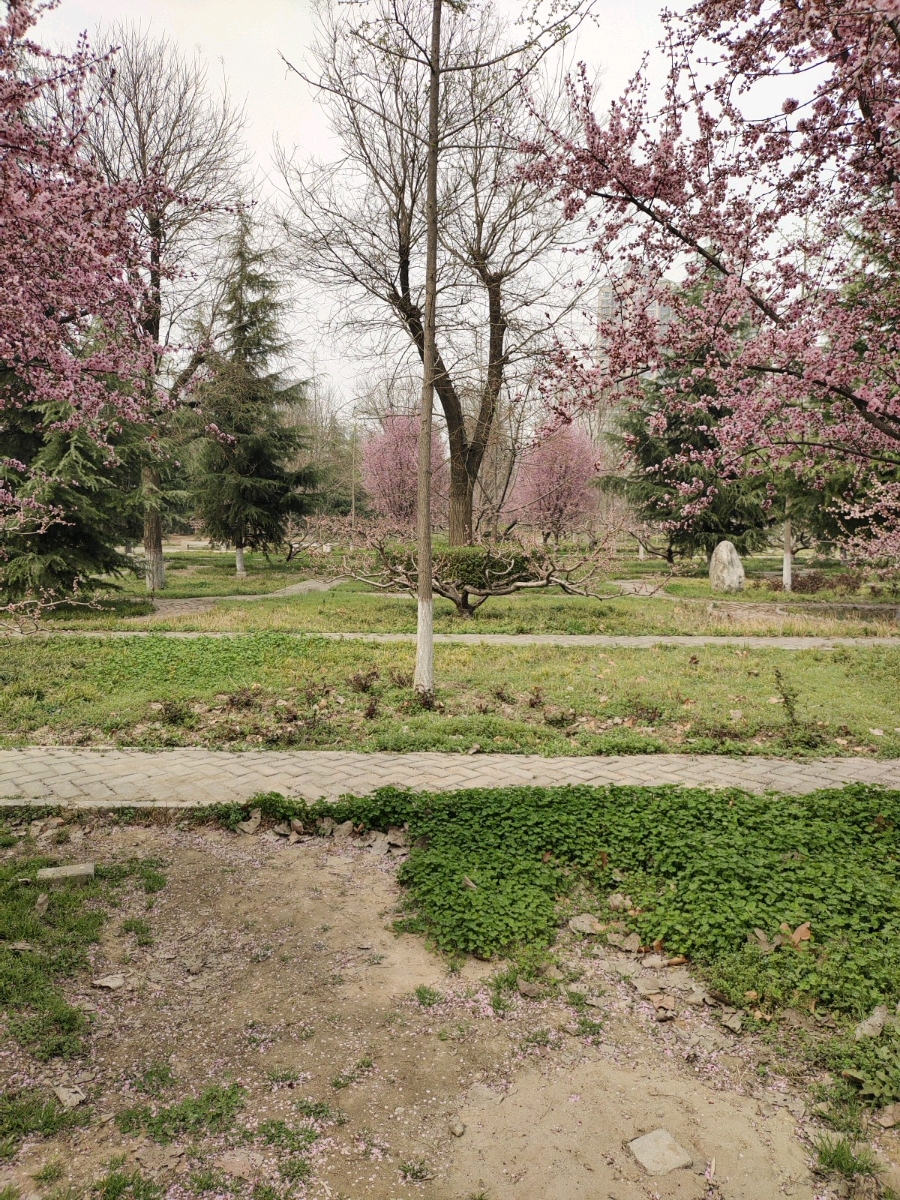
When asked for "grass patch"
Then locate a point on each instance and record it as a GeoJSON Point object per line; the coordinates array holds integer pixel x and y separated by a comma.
{"type": "Point", "coordinates": [25, 1113]}
{"type": "Point", "coordinates": [155, 1079]}
{"type": "Point", "coordinates": [124, 1183]}
{"type": "Point", "coordinates": [52, 947]}
{"type": "Point", "coordinates": [280, 1134]}
{"type": "Point", "coordinates": [213, 1111]}
{"type": "Point", "coordinates": [49, 1173]}
{"type": "Point", "coordinates": [835, 1156]}
{"type": "Point", "coordinates": [143, 935]}
{"type": "Point", "coordinates": [427, 996]}
{"type": "Point", "coordinates": [275, 691]}
{"type": "Point", "coordinates": [318, 1110]}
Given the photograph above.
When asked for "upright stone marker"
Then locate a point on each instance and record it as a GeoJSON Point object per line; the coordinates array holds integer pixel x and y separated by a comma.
{"type": "Point", "coordinates": [726, 571]}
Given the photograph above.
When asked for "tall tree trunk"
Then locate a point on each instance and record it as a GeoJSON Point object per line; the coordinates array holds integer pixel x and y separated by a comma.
{"type": "Point", "coordinates": [153, 533]}
{"type": "Point", "coordinates": [423, 680]}
{"type": "Point", "coordinates": [239, 567]}
{"type": "Point", "coordinates": [787, 562]}
{"type": "Point", "coordinates": [462, 498]}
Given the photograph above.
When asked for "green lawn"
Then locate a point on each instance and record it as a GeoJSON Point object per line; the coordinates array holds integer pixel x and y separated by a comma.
{"type": "Point", "coordinates": [351, 608]}
{"type": "Point", "coordinates": [272, 690]}
{"type": "Point", "coordinates": [211, 573]}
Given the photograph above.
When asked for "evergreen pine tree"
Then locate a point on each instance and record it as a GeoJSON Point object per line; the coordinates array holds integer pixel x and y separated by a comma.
{"type": "Point", "coordinates": [737, 510]}
{"type": "Point", "coordinates": [245, 481]}
{"type": "Point", "coordinates": [89, 491]}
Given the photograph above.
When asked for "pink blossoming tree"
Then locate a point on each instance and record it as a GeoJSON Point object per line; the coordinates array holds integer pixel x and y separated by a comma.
{"type": "Point", "coordinates": [70, 333]}
{"type": "Point", "coordinates": [787, 220]}
{"type": "Point", "coordinates": [554, 489]}
{"type": "Point", "coordinates": [389, 470]}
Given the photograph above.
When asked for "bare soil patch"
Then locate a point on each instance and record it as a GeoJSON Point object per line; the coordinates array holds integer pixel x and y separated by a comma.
{"type": "Point", "coordinates": [274, 967]}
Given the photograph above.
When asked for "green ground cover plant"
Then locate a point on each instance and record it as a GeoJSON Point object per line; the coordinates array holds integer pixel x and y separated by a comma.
{"type": "Point", "coordinates": [274, 690]}
{"type": "Point", "coordinates": [39, 950]}
{"type": "Point", "coordinates": [794, 900]}
{"type": "Point", "coordinates": [213, 1111]}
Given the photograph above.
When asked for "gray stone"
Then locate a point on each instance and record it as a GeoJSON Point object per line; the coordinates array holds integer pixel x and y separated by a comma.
{"type": "Point", "coordinates": [527, 988]}
{"type": "Point", "coordinates": [659, 1153]}
{"type": "Point", "coordinates": [58, 877]}
{"type": "Point", "coordinates": [69, 1097]}
{"type": "Point", "coordinates": [109, 983]}
{"type": "Point", "coordinates": [648, 985]}
{"type": "Point", "coordinates": [584, 923]}
{"type": "Point", "coordinates": [873, 1026]}
{"type": "Point", "coordinates": [252, 823]}
{"type": "Point", "coordinates": [726, 571]}
{"type": "Point", "coordinates": [344, 830]}
{"type": "Point", "coordinates": [41, 904]}
{"type": "Point", "coordinates": [457, 1129]}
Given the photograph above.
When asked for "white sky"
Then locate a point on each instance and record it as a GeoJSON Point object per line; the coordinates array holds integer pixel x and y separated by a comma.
{"type": "Point", "coordinates": [241, 40]}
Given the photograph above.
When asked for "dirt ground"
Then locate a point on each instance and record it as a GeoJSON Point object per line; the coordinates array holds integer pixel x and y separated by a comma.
{"type": "Point", "coordinates": [275, 966]}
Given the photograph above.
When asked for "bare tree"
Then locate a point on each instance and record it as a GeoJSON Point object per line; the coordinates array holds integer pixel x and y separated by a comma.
{"type": "Point", "coordinates": [359, 224]}
{"type": "Point", "coordinates": [157, 121]}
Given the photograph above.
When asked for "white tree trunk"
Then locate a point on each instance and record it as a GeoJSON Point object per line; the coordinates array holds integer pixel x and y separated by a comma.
{"type": "Point", "coordinates": [787, 563]}
{"type": "Point", "coordinates": [423, 678]}
{"type": "Point", "coordinates": [239, 560]}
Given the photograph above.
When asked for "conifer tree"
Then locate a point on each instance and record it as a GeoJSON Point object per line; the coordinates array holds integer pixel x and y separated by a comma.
{"type": "Point", "coordinates": [246, 479]}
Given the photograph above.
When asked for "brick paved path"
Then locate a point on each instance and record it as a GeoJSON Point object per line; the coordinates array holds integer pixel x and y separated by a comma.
{"type": "Point", "coordinates": [195, 777]}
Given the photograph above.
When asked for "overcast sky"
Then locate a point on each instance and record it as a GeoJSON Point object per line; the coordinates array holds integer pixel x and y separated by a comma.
{"type": "Point", "coordinates": [241, 40]}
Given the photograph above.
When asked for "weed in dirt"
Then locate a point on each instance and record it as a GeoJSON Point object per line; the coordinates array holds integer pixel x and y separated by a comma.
{"type": "Point", "coordinates": [586, 1027]}
{"type": "Point", "coordinates": [835, 1156]}
{"type": "Point", "coordinates": [283, 1075]}
{"type": "Point", "coordinates": [9, 1192]}
{"type": "Point", "coordinates": [363, 681]}
{"type": "Point", "coordinates": [143, 935]}
{"type": "Point", "coordinates": [294, 1170]}
{"type": "Point", "coordinates": [49, 1173]}
{"type": "Point", "coordinates": [280, 1134]}
{"type": "Point", "coordinates": [175, 712]}
{"type": "Point", "coordinates": [265, 1191]}
{"type": "Point", "coordinates": [427, 996]}
{"type": "Point", "coordinates": [155, 1079]}
{"type": "Point", "coordinates": [415, 1171]}
{"type": "Point", "coordinates": [318, 1110]}
{"type": "Point", "coordinates": [213, 1111]}
{"type": "Point", "coordinates": [120, 1183]}
{"type": "Point", "coordinates": [538, 1037]}
{"type": "Point", "coordinates": [360, 1068]}
{"type": "Point", "coordinates": [29, 1112]}
{"type": "Point", "coordinates": [208, 1180]}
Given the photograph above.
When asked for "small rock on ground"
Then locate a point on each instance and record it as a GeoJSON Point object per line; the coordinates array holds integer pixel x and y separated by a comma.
{"type": "Point", "coordinates": [659, 1153]}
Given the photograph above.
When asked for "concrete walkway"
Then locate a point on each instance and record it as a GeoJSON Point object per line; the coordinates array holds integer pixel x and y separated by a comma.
{"type": "Point", "coordinates": [189, 777]}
